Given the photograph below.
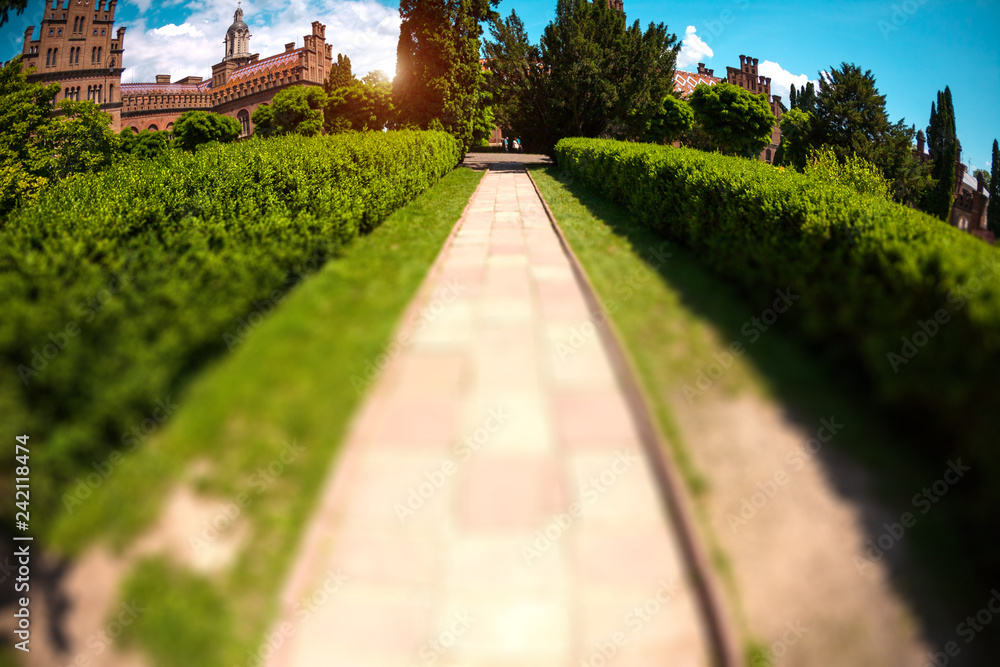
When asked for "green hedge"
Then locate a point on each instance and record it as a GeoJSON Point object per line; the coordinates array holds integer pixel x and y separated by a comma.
{"type": "Point", "coordinates": [115, 286]}
{"type": "Point", "coordinates": [869, 274]}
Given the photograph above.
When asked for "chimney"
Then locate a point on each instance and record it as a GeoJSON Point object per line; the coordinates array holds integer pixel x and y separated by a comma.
{"type": "Point", "coordinates": [289, 47]}
{"type": "Point", "coordinates": [162, 78]}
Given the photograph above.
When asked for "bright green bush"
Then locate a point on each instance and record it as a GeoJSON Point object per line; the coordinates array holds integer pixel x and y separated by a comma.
{"type": "Point", "coordinates": [911, 302]}
{"type": "Point", "coordinates": [116, 286]}
{"type": "Point", "coordinates": [855, 172]}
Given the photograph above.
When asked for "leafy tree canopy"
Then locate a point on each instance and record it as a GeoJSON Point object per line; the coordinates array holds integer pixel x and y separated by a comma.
{"type": "Point", "coordinates": [6, 6]}
{"type": "Point", "coordinates": [672, 119]}
{"type": "Point", "coordinates": [194, 128]}
{"type": "Point", "coordinates": [354, 104]}
{"type": "Point", "coordinates": [147, 144]}
{"type": "Point", "coordinates": [737, 121]}
{"type": "Point", "coordinates": [590, 75]}
{"type": "Point", "coordinates": [295, 110]}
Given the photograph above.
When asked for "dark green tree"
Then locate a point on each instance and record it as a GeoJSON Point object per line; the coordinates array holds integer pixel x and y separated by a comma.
{"type": "Point", "coordinates": [353, 104]}
{"type": "Point", "coordinates": [737, 121]}
{"type": "Point", "coordinates": [147, 144]}
{"type": "Point", "coordinates": [78, 140]}
{"type": "Point", "coordinates": [194, 128]}
{"type": "Point", "coordinates": [982, 176]}
{"type": "Point", "coordinates": [7, 5]}
{"type": "Point", "coordinates": [440, 81]}
{"type": "Point", "coordinates": [674, 118]}
{"type": "Point", "coordinates": [796, 138]}
{"type": "Point", "coordinates": [942, 146]}
{"type": "Point", "coordinates": [296, 110]}
{"type": "Point", "coordinates": [806, 98]}
{"type": "Point", "coordinates": [791, 96]}
{"type": "Point", "coordinates": [993, 208]}
{"type": "Point", "coordinates": [591, 75]}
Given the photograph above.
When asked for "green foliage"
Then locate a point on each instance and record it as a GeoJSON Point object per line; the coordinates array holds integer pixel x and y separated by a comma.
{"type": "Point", "coordinates": [796, 130]}
{"type": "Point", "coordinates": [982, 176]}
{"type": "Point", "coordinates": [116, 285]}
{"type": "Point", "coordinates": [942, 145]}
{"type": "Point", "coordinates": [737, 121]}
{"type": "Point", "coordinates": [356, 105]}
{"type": "Point", "coordinates": [439, 80]}
{"type": "Point", "coordinates": [7, 5]}
{"type": "Point", "coordinates": [993, 208]}
{"type": "Point", "coordinates": [591, 75]}
{"type": "Point", "coordinates": [38, 145]}
{"type": "Point", "coordinates": [791, 96]}
{"type": "Point", "coordinates": [295, 110]}
{"type": "Point", "coordinates": [673, 119]}
{"type": "Point", "coordinates": [874, 278]}
{"type": "Point", "coordinates": [147, 144]}
{"type": "Point", "coordinates": [806, 101]}
{"type": "Point", "coordinates": [854, 172]}
{"type": "Point", "coordinates": [194, 128]}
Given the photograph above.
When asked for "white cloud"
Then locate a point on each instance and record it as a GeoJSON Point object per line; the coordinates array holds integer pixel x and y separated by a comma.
{"type": "Point", "coordinates": [694, 50]}
{"type": "Point", "coordinates": [364, 30]}
{"type": "Point", "coordinates": [782, 79]}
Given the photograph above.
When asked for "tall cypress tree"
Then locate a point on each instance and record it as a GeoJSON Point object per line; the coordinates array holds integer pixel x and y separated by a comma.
{"type": "Point", "coordinates": [993, 208]}
{"type": "Point", "coordinates": [942, 145]}
{"type": "Point", "coordinates": [806, 99]}
{"type": "Point", "coordinates": [439, 79]}
{"type": "Point", "coordinates": [791, 96]}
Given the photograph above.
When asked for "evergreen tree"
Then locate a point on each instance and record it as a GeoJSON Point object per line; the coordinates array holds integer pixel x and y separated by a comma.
{"type": "Point", "coordinates": [806, 98]}
{"type": "Point", "coordinates": [591, 75]}
{"type": "Point", "coordinates": [942, 145]}
{"type": "Point", "coordinates": [439, 78]}
{"type": "Point", "coordinates": [7, 5]}
{"type": "Point", "coordinates": [791, 96]}
{"type": "Point", "coordinates": [340, 74]}
{"type": "Point", "coordinates": [737, 121]}
{"type": "Point", "coordinates": [993, 208]}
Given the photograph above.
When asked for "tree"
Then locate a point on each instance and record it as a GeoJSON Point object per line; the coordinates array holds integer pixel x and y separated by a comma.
{"type": "Point", "coordinates": [673, 119]}
{"type": "Point", "coordinates": [147, 144]}
{"type": "Point", "coordinates": [591, 75]}
{"type": "Point", "coordinates": [942, 146]}
{"type": "Point", "coordinates": [791, 96]}
{"type": "Point", "coordinates": [80, 140]}
{"type": "Point", "coordinates": [40, 142]}
{"type": "Point", "coordinates": [356, 105]}
{"type": "Point", "coordinates": [796, 136]}
{"type": "Point", "coordinates": [982, 176]}
{"type": "Point", "coordinates": [993, 208]}
{"type": "Point", "coordinates": [295, 110]}
{"type": "Point", "coordinates": [194, 128]}
{"type": "Point", "coordinates": [439, 79]}
{"type": "Point", "coordinates": [7, 5]}
{"type": "Point", "coordinates": [806, 98]}
{"type": "Point", "coordinates": [738, 122]}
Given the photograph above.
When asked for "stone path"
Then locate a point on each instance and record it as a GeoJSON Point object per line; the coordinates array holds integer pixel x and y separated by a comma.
{"type": "Point", "coordinates": [493, 505]}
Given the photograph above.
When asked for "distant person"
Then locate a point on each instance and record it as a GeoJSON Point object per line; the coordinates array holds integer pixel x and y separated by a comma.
{"type": "Point", "coordinates": [503, 142]}
{"type": "Point", "coordinates": [517, 143]}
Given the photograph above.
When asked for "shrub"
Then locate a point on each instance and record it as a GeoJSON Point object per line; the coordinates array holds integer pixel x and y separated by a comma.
{"type": "Point", "coordinates": [854, 172]}
{"type": "Point", "coordinates": [913, 303]}
{"type": "Point", "coordinates": [116, 286]}
{"type": "Point", "coordinates": [194, 128]}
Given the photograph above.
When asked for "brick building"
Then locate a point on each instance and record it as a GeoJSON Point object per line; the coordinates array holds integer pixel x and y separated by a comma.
{"type": "Point", "coordinates": [746, 77]}
{"type": "Point", "coordinates": [240, 82]}
{"type": "Point", "coordinates": [79, 49]}
{"type": "Point", "coordinates": [968, 211]}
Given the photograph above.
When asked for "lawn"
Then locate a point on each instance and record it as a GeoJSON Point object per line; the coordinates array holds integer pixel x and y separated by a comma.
{"type": "Point", "coordinates": [676, 318]}
{"type": "Point", "coordinates": [254, 435]}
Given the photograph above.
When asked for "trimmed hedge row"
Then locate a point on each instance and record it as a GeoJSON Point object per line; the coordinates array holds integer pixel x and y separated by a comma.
{"type": "Point", "coordinates": [911, 301]}
{"type": "Point", "coordinates": [116, 286]}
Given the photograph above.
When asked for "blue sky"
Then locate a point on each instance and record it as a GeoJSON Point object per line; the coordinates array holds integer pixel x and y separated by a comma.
{"type": "Point", "coordinates": [913, 47]}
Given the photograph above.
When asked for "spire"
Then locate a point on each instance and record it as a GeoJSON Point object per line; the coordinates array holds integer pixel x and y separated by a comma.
{"type": "Point", "coordinates": [238, 37]}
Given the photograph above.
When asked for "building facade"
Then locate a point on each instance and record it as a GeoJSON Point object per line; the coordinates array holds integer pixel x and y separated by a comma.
{"type": "Point", "coordinates": [240, 82]}
{"type": "Point", "coordinates": [971, 198]}
{"type": "Point", "coordinates": [79, 49]}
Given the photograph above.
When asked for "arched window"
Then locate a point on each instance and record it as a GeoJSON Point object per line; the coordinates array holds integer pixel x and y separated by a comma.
{"type": "Point", "coordinates": [100, 49]}
{"type": "Point", "coordinates": [48, 58]}
{"type": "Point", "coordinates": [244, 117]}
{"type": "Point", "coordinates": [767, 157]}
{"type": "Point", "coordinates": [93, 55]}
{"type": "Point", "coordinates": [55, 57]}
{"type": "Point", "coordinates": [111, 90]}
{"type": "Point", "coordinates": [76, 22]}
{"type": "Point", "coordinates": [134, 129]}
{"type": "Point", "coordinates": [153, 128]}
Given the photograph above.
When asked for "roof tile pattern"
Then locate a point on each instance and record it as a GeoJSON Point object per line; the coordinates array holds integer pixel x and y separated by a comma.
{"type": "Point", "coordinates": [685, 82]}
{"type": "Point", "coordinates": [265, 66]}
{"type": "Point", "coordinates": [158, 88]}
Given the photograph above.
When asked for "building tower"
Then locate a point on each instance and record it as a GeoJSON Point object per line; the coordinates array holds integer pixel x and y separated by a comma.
{"type": "Point", "coordinates": [238, 37]}
{"type": "Point", "coordinates": [79, 49]}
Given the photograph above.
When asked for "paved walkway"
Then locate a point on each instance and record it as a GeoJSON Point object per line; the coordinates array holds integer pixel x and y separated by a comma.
{"type": "Point", "coordinates": [493, 505]}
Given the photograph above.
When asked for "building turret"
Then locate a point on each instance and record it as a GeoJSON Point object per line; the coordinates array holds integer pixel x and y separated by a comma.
{"type": "Point", "coordinates": [238, 37]}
